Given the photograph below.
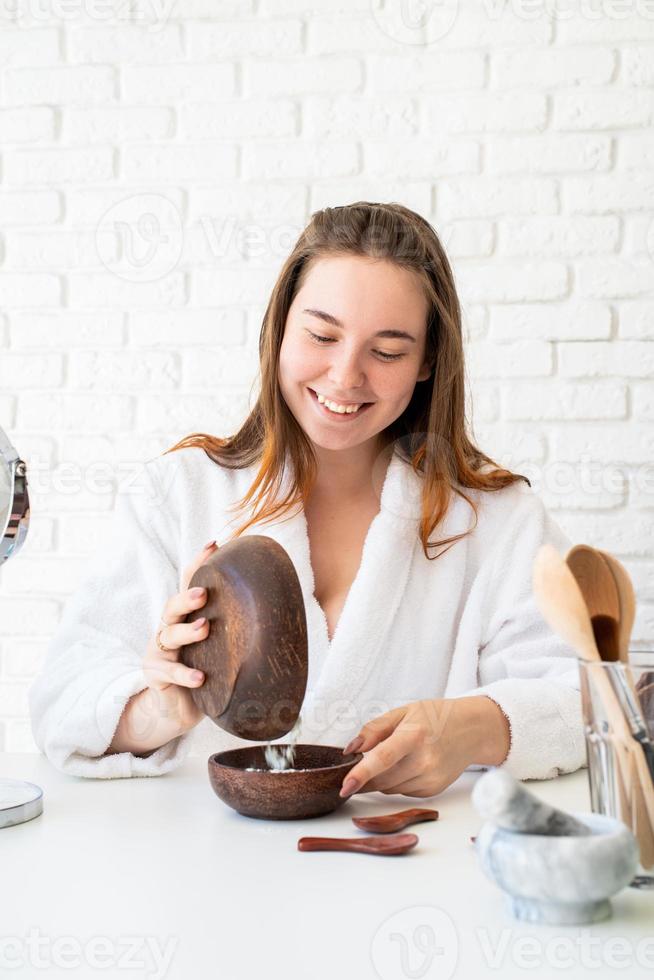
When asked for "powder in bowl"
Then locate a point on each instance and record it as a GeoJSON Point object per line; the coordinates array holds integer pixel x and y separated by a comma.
{"type": "Point", "coordinates": [280, 758]}
{"type": "Point", "coordinates": [254, 769]}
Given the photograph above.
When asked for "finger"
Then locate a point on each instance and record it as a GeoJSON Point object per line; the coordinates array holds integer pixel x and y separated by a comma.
{"type": "Point", "coordinates": [190, 570]}
{"type": "Point", "coordinates": [411, 787]}
{"type": "Point", "coordinates": [180, 605]}
{"type": "Point", "coordinates": [180, 635]}
{"type": "Point", "coordinates": [378, 760]}
{"type": "Point", "coordinates": [161, 673]}
{"type": "Point", "coordinates": [406, 769]}
{"type": "Point", "coordinates": [374, 731]}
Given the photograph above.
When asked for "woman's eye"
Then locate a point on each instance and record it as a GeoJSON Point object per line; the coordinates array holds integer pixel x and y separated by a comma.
{"type": "Point", "coordinates": [327, 340]}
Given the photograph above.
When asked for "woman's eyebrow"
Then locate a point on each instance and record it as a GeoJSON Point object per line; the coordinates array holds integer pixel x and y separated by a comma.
{"type": "Point", "coordinates": [328, 318]}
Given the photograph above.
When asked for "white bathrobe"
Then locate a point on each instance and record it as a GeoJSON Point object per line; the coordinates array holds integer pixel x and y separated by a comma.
{"type": "Point", "coordinates": [411, 628]}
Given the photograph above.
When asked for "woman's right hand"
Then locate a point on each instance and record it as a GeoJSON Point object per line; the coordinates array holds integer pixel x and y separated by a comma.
{"type": "Point", "coordinates": [165, 708]}
{"type": "Point", "coordinates": [170, 679]}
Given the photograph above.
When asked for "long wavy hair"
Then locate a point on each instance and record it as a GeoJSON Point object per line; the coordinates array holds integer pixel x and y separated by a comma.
{"type": "Point", "coordinates": [430, 434]}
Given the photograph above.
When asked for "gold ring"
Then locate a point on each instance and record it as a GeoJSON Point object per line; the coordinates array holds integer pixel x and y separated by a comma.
{"type": "Point", "coordinates": [163, 648]}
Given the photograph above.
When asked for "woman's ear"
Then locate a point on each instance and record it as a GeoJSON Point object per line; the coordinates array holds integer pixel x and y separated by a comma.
{"type": "Point", "coordinates": [425, 371]}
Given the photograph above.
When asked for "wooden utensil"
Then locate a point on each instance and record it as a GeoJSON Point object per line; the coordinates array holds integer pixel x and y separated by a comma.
{"type": "Point", "coordinates": [603, 583]}
{"type": "Point", "coordinates": [600, 593]}
{"type": "Point", "coordinates": [397, 844]}
{"type": "Point", "coordinates": [627, 603]}
{"type": "Point", "coordinates": [560, 601]}
{"type": "Point", "coordinates": [255, 658]}
{"type": "Point", "coordinates": [642, 823]}
{"type": "Point", "coordinates": [390, 822]}
{"type": "Point", "coordinates": [608, 592]}
{"type": "Point", "coordinates": [562, 605]}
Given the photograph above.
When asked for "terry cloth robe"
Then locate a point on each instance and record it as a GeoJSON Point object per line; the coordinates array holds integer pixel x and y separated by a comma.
{"type": "Point", "coordinates": [411, 628]}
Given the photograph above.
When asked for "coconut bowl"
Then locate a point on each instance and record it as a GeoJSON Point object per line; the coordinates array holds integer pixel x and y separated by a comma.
{"type": "Point", "coordinates": [310, 789]}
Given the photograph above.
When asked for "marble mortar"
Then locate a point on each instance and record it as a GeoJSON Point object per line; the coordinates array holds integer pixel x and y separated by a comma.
{"type": "Point", "coordinates": [548, 877]}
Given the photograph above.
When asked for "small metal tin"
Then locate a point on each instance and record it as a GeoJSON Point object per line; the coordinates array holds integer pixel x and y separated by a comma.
{"type": "Point", "coordinates": [19, 801]}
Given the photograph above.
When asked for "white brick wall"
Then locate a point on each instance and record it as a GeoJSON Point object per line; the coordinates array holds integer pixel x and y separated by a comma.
{"type": "Point", "coordinates": [523, 133]}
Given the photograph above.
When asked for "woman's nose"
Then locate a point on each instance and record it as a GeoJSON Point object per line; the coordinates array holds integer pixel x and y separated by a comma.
{"type": "Point", "coordinates": [345, 371]}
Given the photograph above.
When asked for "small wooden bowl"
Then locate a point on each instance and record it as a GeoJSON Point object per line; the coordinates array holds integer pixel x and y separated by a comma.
{"type": "Point", "coordinates": [311, 791]}
{"type": "Point", "coordinates": [255, 658]}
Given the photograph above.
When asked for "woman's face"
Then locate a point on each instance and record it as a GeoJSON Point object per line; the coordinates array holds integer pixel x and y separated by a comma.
{"type": "Point", "coordinates": [334, 346]}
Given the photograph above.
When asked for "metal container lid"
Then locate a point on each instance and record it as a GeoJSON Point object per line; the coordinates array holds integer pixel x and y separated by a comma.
{"type": "Point", "coordinates": [19, 801]}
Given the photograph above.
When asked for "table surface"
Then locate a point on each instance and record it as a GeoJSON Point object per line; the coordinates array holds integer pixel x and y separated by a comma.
{"type": "Point", "coordinates": [156, 877]}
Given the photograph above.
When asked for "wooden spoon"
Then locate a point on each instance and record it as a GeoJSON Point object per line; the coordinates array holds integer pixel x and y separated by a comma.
{"type": "Point", "coordinates": [391, 822]}
{"type": "Point", "coordinates": [600, 592]}
{"type": "Point", "coordinates": [608, 593]}
{"type": "Point", "coordinates": [627, 603]}
{"type": "Point", "coordinates": [398, 844]}
{"type": "Point", "coordinates": [560, 601]}
{"type": "Point", "coordinates": [562, 605]}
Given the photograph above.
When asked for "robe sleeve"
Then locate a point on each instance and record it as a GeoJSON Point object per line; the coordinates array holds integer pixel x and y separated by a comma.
{"type": "Point", "coordinates": [93, 662]}
{"type": "Point", "coordinates": [523, 666]}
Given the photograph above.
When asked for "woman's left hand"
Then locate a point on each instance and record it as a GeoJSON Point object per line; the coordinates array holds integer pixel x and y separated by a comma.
{"type": "Point", "coordinates": [422, 747]}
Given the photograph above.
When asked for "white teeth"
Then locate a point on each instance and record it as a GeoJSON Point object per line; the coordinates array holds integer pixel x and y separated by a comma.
{"type": "Point", "coordinates": [335, 407]}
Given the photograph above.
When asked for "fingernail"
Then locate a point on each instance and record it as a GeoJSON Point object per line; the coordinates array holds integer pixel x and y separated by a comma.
{"type": "Point", "coordinates": [349, 786]}
{"type": "Point", "coordinates": [355, 744]}
{"type": "Point", "coordinates": [210, 545]}
{"type": "Point", "coordinates": [199, 623]}
{"type": "Point", "coordinates": [197, 592]}
{"type": "Point", "coordinates": [197, 675]}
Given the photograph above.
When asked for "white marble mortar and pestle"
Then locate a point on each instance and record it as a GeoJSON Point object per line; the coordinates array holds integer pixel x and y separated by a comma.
{"type": "Point", "coordinates": [554, 867]}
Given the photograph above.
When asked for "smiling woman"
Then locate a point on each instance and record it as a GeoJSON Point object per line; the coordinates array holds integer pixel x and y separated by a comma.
{"type": "Point", "coordinates": [364, 310]}
{"type": "Point", "coordinates": [431, 653]}
{"type": "Point", "coordinates": [348, 371]}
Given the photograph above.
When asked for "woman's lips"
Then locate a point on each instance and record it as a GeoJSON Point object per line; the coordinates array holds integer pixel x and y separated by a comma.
{"type": "Point", "coordinates": [337, 416]}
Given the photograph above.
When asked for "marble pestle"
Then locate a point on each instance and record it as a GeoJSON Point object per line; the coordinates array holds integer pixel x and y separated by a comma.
{"type": "Point", "coordinates": [500, 798]}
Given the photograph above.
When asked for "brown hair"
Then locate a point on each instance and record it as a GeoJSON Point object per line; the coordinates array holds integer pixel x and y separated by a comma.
{"type": "Point", "coordinates": [431, 432]}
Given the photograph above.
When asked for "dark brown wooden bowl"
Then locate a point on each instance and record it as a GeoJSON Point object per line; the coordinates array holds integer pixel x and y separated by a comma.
{"type": "Point", "coordinates": [271, 795]}
{"type": "Point", "coordinates": [255, 658]}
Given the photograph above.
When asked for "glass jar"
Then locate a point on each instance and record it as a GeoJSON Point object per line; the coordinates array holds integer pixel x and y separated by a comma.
{"type": "Point", "coordinates": [619, 788]}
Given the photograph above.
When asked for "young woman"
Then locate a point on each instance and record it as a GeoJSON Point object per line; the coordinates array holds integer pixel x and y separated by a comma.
{"type": "Point", "coordinates": [426, 653]}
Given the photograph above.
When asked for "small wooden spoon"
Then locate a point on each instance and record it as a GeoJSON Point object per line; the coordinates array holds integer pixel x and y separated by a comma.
{"type": "Point", "coordinates": [391, 822]}
{"type": "Point", "coordinates": [398, 844]}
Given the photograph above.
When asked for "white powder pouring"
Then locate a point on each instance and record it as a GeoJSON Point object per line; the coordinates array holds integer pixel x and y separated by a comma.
{"type": "Point", "coordinates": [280, 758]}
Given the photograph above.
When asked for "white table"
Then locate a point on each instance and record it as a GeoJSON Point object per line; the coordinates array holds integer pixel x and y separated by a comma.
{"type": "Point", "coordinates": [161, 864]}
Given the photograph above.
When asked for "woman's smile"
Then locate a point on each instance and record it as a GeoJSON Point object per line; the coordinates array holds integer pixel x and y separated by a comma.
{"type": "Point", "coordinates": [336, 416]}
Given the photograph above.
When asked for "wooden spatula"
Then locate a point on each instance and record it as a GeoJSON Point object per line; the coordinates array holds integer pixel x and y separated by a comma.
{"type": "Point", "coordinates": [397, 844]}
{"type": "Point", "coordinates": [391, 822]}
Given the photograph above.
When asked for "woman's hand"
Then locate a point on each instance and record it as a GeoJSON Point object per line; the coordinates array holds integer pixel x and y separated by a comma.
{"type": "Point", "coordinates": [165, 708]}
{"type": "Point", "coordinates": [422, 747]}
